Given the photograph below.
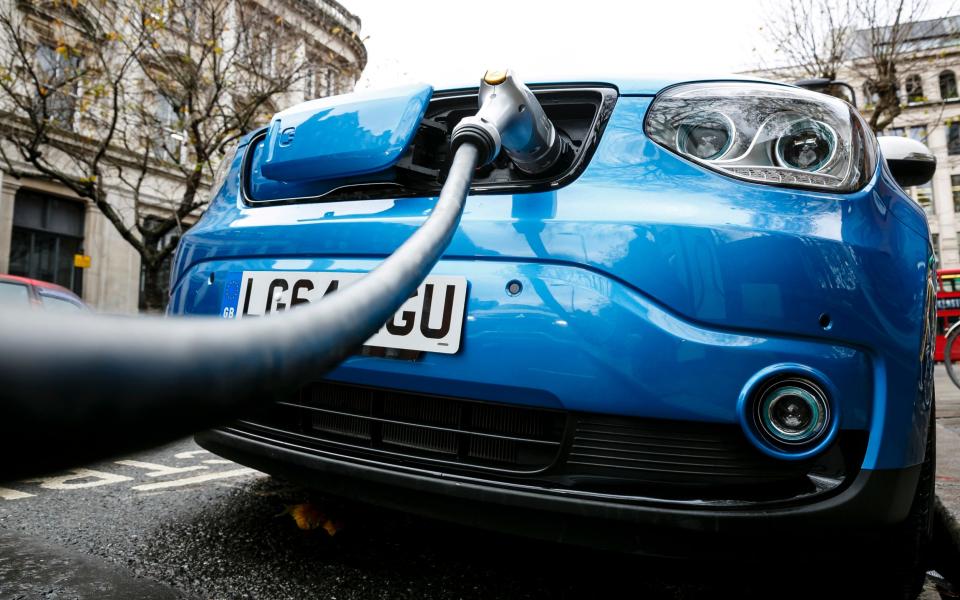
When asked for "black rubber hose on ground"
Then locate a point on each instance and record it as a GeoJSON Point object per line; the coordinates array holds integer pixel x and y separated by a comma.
{"type": "Point", "coordinates": [76, 389]}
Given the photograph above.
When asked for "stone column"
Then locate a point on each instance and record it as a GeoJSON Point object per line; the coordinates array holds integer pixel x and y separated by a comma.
{"type": "Point", "coordinates": [8, 192]}
{"type": "Point", "coordinates": [943, 200]}
{"type": "Point", "coordinates": [112, 283]}
{"type": "Point", "coordinates": [300, 58]}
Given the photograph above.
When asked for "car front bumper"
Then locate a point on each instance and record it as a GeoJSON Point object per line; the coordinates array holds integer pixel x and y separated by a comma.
{"type": "Point", "coordinates": [874, 500]}
{"type": "Point", "coordinates": [577, 342]}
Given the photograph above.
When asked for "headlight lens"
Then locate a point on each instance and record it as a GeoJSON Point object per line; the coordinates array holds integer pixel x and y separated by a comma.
{"type": "Point", "coordinates": [707, 137]}
{"type": "Point", "coordinates": [766, 133]}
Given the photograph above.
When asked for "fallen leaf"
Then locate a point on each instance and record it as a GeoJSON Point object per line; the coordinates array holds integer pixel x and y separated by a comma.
{"type": "Point", "coordinates": [306, 516]}
{"type": "Point", "coordinates": [331, 528]}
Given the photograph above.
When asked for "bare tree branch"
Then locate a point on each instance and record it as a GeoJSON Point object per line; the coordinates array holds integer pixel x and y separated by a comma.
{"type": "Point", "coordinates": [146, 94]}
{"type": "Point", "coordinates": [881, 41]}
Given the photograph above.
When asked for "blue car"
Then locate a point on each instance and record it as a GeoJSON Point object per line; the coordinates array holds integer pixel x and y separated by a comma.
{"type": "Point", "coordinates": [711, 320]}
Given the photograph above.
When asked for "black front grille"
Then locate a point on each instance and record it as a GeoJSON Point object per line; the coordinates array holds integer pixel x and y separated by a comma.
{"type": "Point", "coordinates": [632, 457]}
{"type": "Point", "coordinates": [671, 452]}
{"type": "Point", "coordinates": [421, 427]}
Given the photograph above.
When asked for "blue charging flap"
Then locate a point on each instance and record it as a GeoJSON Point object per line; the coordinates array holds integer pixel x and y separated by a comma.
{"type": "Point", "coordinates": [340, 136]}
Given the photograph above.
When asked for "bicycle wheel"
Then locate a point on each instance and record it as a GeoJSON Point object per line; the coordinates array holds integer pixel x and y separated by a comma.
{"type": "Point", "coordinates": [952, 335]}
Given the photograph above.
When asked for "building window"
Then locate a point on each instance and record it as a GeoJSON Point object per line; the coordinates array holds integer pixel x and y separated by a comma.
{"type": "Point", "coordinates": [953, 137]}
{"type": "Point", "coordinates": [955, 184]}
{"type": "Point", "coordinates": [168, 117]}
{"type": "Point", "coordinates": [309, 84]}
{"type": "Point", "coordinates": [914, 89]}
{"type": "Point", "coordinates": [935, 238]}
{"type": "Point", "coordinates": [262, 52]}
{"type": "Point", "coordinates": [923, 194]}
{"type": "Point", "coordinates": [47, 233]}
{"type": "Point", "coordinates": [320, 82]}
{"type": "Point", "coordinates": [327, 87]}
{"type": "Point", "coordinates": [57, 73]}
{"type": "Point", "coordinates": [948, 85]}
{"type": "Point", "coordinates": [917, 132]}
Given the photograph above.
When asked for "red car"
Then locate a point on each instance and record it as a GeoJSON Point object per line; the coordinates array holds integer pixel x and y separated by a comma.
{"type": "Point", "coordinates": [21, 291]}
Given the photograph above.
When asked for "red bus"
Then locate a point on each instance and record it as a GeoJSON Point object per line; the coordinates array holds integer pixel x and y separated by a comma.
{"type": "Point", "coordinates": [948, 309]}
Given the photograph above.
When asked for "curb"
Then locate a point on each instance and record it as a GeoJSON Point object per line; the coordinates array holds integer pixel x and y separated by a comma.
{"type": "Point", "coordinates": [946, 543]}
{"type": "Point", "coordinates": [946, 535]}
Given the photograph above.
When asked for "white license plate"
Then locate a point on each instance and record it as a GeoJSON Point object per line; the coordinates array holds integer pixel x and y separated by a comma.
{"type": "Point", "coordinates": [429, 321]}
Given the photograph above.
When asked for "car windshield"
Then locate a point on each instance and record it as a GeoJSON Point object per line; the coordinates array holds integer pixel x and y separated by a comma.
{"type": "Point", "coordinates": [13, 294]}
{"type": "Point", "coordinates": [58, 304]}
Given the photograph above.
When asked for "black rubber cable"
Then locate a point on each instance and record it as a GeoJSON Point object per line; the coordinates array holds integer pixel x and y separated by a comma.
{"type": "Point", "coordinates": [76, 389]}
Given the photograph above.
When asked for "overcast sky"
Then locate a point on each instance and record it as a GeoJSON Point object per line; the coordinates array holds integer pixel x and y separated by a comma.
{"type": "Point", "coordinates": [454, 41]}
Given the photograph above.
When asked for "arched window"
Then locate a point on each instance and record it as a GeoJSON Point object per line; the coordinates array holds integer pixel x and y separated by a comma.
{"type": "Point", "coordinates": [948, 85]}
{"type": "Point", "coordinates": [166, 117]}
{"type": "Point", "coordinates": [914, 89]}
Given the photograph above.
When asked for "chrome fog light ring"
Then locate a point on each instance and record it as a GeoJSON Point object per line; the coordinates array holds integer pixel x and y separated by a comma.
{"type": "Point", "coordinates": [801, 384]}
{"type": "Point", "coordinates": [792, 411]}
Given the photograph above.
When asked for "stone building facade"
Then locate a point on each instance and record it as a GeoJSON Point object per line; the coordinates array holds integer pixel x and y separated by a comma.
{"type": "Point", "coordinates": [930, 105]}
{"type": "Point", "coordinates": [43, 225]}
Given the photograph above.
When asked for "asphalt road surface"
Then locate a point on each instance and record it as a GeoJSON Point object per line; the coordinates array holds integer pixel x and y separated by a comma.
{"type": "Point", "coordinates": [178, 522]}
{"type": "Point", "coordinates": [209, 528]}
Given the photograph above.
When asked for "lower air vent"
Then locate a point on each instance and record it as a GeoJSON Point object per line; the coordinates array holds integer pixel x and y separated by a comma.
{"type": "Point", "coordinates": [672, 452]}
{"type": "Point", "coordinates": [625, 457]}
{"type": "Point", "coordinates": [431, 429]}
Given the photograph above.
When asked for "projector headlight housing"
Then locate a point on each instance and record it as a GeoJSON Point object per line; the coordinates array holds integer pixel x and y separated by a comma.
{"type": "Point", "coordinates": [766, 133]}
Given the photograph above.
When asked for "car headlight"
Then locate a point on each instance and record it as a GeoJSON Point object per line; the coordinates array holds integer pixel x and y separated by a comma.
{"type": "Point", "coordinates": [766, 133]}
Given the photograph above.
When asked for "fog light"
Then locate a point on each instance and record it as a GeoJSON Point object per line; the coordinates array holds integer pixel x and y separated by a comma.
{"type": "Point", "coordinates": [793, 412]}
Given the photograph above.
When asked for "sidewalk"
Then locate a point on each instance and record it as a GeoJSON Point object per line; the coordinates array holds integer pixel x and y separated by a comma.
{"type": "Point", "coordinates": [948, 470]}
{"type": "Point", "coordinates": [948, 441]}
{"type": "Point", "coordinates": [31, 568]}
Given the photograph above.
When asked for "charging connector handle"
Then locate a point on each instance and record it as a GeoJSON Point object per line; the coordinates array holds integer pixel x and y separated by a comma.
{"type": "Point", "coordinates": [76, 388]}
{"type": "Point", "coordinates": [511, 117]}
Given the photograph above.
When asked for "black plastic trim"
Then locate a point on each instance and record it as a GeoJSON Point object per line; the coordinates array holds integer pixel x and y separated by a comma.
{"type": "Point", "coordinates": [876, 499]}
{"type": "Point", "coordinates": [622, 457]}
{"type": "Point", "coordinates": [392, 457]}
{"type": "Point", "coordinates": [439, 471]}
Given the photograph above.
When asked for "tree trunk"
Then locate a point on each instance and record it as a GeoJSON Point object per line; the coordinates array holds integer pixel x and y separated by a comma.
{"type": "Point", "coordinates": [153, 299]}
